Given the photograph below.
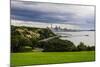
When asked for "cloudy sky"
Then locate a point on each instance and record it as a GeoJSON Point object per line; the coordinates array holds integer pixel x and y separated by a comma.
{"type": "Point", "coordinates": [43, 14]}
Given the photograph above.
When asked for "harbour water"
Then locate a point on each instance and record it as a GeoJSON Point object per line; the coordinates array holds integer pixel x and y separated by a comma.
{"type": "Point", "coordinates": [87, 37]}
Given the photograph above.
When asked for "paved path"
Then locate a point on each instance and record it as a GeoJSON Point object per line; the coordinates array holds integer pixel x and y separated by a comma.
{"type": "Point", "coordinates": [50, 38]}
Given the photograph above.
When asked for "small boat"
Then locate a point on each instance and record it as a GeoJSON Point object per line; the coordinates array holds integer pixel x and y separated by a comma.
{"type": "Point", "coordinates": [86, 35]}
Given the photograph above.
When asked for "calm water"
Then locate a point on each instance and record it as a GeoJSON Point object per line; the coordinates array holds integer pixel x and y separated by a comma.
{"type": "Point", "coordinates": [88, 37]}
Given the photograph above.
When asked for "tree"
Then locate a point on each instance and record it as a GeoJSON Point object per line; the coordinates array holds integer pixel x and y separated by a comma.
{"type": "Point", "coordinates": [18, 42]}
{"type": "Point", "coordinates": [91, 48]}
{"type": "Point", "coordinates": [81, 47]}
{"type": "Point", "coordinates": [14, 45]}
{"type": "Point", "coordinates": [57, 45]}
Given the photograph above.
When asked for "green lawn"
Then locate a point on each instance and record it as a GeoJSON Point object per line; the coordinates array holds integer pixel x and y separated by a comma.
{"type": "Point", "coordinates": [35, 58]}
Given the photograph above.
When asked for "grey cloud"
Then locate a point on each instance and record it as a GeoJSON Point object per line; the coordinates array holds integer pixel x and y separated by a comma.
{"type": "Point", "coordinates": [53, 13]}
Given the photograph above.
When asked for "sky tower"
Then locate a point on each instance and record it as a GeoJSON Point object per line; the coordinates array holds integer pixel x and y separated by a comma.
{"type": "Point", "coordinates": [51, 26]}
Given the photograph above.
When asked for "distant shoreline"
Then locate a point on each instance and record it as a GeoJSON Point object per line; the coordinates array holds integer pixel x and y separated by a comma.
{"type": "Point", "coordinates": [74, 30]}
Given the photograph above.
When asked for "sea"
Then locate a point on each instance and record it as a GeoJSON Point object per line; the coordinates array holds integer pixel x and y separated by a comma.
{"type": "Point", "coordinates": [87, 37]}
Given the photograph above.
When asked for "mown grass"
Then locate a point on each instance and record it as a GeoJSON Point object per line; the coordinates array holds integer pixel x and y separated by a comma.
{"type": "Point", "coordinates": [35, 58]}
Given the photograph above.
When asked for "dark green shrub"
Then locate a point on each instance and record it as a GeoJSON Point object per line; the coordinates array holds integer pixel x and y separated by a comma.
{"type": "Point", "coordinates": [81, 47]}
{"type": "Point", "coordinates": [57, 45]}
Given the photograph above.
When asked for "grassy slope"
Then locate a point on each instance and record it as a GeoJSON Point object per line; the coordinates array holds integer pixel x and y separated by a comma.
{"type": "Point", "coordinates": [44, 32]}
{"type": "Point", "coordinates": [34, 58]}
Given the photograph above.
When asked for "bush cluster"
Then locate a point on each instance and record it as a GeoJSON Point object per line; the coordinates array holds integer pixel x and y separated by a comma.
{"type": "Point", "coordinates": [58, 45]}
{"type": "Point", "coordinates": [22, 37]}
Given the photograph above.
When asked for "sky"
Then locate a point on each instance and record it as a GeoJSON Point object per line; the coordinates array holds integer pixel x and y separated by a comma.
{"type": "Point", "coordinates": [40, 14]}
